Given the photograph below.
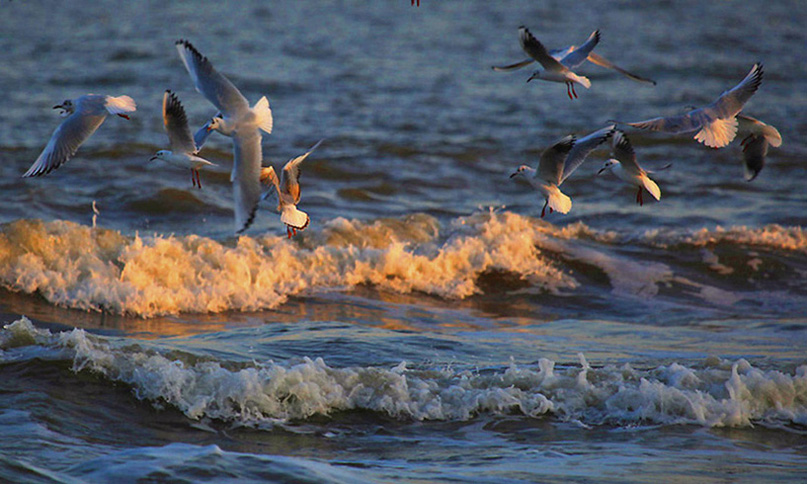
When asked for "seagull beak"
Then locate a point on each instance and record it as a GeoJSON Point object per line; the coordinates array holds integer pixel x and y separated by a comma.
{"type": "Point", "coordinates": [58, 106]}
{"type": "Point", "coordinates": [514, 174]}
{"type": "Point", "coordinates": [153, 158]}
{"type": "Point", "coordinates": [601, 170]}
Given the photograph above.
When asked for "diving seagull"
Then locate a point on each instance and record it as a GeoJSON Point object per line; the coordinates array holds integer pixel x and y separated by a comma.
{"type": "Point", "coordinates": [184, 149]}
{"type": "Point", "coordinates": [557, 163]}
{"type": "Point", "coordinates": [288, 192]}
{"type": "Point", "coordinates": [554, 70]}
{"type": "Point", "coordinates": [238, 121]}
{"type": "Point", "coordinates": [83, 116]}
{"type": "Point", "coordinates": [627, 169]}
{"type": "Point", "coordinates": [574, 56]}
{"type": "Point", "coordinates": [716, 123]}
{"type": "Point", "coordinates": [758, 136]}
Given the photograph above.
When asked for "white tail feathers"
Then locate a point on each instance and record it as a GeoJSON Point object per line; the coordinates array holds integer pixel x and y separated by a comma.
{"type": "Point", "coordinates": [558, 201]}
{"type": "Point", "coordinates": [651, 187]}
{"type": "Point", "coordinates": [120, 105]}
{"type": "Point", "coordinates": [294, 218]}
{"type": "Point", "coordinates": [772, 135]}
{"type": "Point", "coordinates": [718, 133]}
{"type": "Point", "coordinates": [582, 80]}
{"type": "Point", "coordinates": [263, 115]}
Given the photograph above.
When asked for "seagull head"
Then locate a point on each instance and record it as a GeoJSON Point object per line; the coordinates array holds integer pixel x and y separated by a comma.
{"type": "Point", "coordinates": [67, 107]}
{"type": "Point", "coordinates": [608, 165]}
{"type": "Point", "coordinates": [523, 170]}
{"type": "Point", "coordinates": [160, 155]}
{"type": "Point", "coordinates": [216, 123]}
{"type": "Point", "coordinates": [535, 75]}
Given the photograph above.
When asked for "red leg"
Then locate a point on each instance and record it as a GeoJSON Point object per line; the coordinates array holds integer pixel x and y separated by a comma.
{"type": "Point", "coordinates": [569, 90]}
{"type": "Point", "coordinates": [193, 178]}
{"type": "Point", "coordinates": [198, 180]}
{"type": "Point", "coordinates": [573, 91]}
{"type": "Point", "coordinates": [123, 116]}
{"type": "Point", "coordinates": [639, 197]}
{"type": "Point", "coordinates": [288, 231]}
{"type": "Point", "coordinates": [550, 210]}
{"type": "Point", "coordinates": [543, 210]}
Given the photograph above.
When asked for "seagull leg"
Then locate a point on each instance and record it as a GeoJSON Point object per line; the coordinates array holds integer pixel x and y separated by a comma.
{"type": "Point", "coordinates": [550, 210]}
{"type": "Point", "coordinates": [124, 116]}
{"type": "Point", "coordinates": [193, 178]}
{"type": "Point", "coordinates": [288, 231]}
{"type": "Point", "coordinates": [543, 210]}
{"type": "Point", "coordinates": [639, 197]}
{"type": "Point", "coordinates": [744, 141]}
{"type": "Point", "coordinates": [198, 180]}
{"type": "Point", "coordinates": [573, 91]}
{"type": "Point", "coordinates": [569, 89]}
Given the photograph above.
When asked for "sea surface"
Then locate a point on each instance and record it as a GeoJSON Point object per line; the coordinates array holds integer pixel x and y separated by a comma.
{"type": "Point", "coordinates": [428, 326]}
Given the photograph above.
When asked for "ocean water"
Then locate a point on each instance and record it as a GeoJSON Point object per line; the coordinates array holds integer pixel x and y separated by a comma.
{"type": "Point", "coordinates": [428, 326]}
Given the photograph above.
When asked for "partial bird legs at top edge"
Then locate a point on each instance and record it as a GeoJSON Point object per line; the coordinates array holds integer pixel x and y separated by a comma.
{"type": "Point", "coordinates": [543, 210]}
{"type": "Point", "coordinates": [639, 199]}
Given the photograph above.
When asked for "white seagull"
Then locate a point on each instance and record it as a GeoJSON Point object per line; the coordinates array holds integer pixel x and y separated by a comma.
{"type": "Point", "coordinates": [554, 70]}
{"type": "Point", "coordinates": [574, 56]}
{"type": "Point", "coordinates": [240, 122]}
{"type": "Point", "coordinates": [183, 147]}
{"type": "Point", "coordinates": [84, 116]}
{"type": "Point", "coordinates": [557, 163]}
{"type": "Point", "coordinates": [755, 144]}
{"type": "Point", "coordinates": [288, 192]}
{"type": "Point", "coordinates": [717, 122]}
{"type": "Point", "coordinates": [627, 169]}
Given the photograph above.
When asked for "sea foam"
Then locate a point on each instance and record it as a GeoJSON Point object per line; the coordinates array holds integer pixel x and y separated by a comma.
{"type": "Point", "coordinates": [713, 393]}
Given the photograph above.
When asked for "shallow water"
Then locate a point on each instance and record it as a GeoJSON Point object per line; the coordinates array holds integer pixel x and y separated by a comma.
{"type": "Point", "coordinates": [428, 325]}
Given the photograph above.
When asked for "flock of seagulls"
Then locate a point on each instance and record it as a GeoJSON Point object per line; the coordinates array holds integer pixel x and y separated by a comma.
{"type": "Point", "coordinates": [716, 125]}
{"type": "Point", "coordinates": [235, 119]}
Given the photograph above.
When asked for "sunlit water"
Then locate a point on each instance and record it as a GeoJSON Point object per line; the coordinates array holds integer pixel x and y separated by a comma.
{"type": "Point", "coordinates": [428, 325]}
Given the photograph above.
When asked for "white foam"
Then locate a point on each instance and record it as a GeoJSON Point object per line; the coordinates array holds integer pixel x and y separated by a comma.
{"type": "Point", "coordinates": [94, 269]}
{"type": "Point", "coordinates": [716, 393]}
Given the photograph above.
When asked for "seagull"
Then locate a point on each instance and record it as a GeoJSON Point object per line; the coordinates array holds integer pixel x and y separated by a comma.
{"type": "Point", "coordinates": [755, 144]}
{"type": "Point", "coordinates": [557, 163]}
{"type": "Point", "coordinates": [717, 122]}
{"type": "Point", "coordinates": [627, 169]}
{"type": "Point", "coordinates": [83, 116]}
{"type": "Point", "coordinates": [554, 70]}
{"type": "Point", "coordinates": [288, 192]}
{"type": "Point", "coordinates": [238, 121]}
{"type": "Point", "coordinates": [574, 56]}
{"type": "Point", "coordinates": [183, 147]}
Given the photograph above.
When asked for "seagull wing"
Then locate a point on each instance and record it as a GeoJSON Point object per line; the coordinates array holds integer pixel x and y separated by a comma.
{"type": "Point", "coordinates": [682, 123]}
{"type": "Point", "coordinates": [732, 101]}
{"type": "Point", "coordinates": [290, 181]}
{"type": "Point", "coordinates": [513, 67]}
{"type": "Point", "coordinates": [537, 51]}
{"type": "Point", "coordinates": [582, 148]}
{"type": "Point", "coordinates": [201, 135]}
{"type": "Point", "coordinates": [603, 62]}
{"type": "Point", "coordinates": [65, 141]}
{"type": "Point", "coordinates": [246, 177]}
{"type": "Point", "coordinates": [623, 152]}
{"type": "Point", "coordinates": [550, 168]}
{"type": "Point", "coordinates": [214, 86]}
{"type": "Point", "coordinates": [579, 55]}
{"type": "Point", "coordinates": [176, 125]}
{"type": "Point", "coordinates": [755, 148]}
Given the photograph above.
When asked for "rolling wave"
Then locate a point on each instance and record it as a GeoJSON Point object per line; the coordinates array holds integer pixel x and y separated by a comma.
{"type": "Point", "coordinates": [80, 267]}
{"type": "Point", "coordinates": [715, 393]}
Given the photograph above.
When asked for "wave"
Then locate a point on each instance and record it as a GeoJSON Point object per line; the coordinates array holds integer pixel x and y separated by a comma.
{"type": "Point", "coordinates": [97, 269]}
{"type": "Point", "coordinates": [716, 393]}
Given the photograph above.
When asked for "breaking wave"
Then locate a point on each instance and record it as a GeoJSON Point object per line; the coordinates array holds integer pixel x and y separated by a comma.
{"type": "Point", "coordinates": [714, 393]}
{"type": "Point", "coordinates": [97, 269]}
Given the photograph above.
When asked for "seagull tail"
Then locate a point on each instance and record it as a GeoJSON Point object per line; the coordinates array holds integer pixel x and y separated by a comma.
{"type": "Point", "coordinates": [582, 80]}
{"type": "Point", "coordinates": [718, 133]}
{"type": "Point", "coordinates": [559, 202]}
{"type": "Point", "coordinates": [120, 105]}
{"type": "Point", "coordinates": [772, 135]}
{"type": "Point", "coordinates": [263, 114]}
{"type": "Point", "coordinates": [651, 187]}
{"type": "Point", "coordinates": [294, 218]}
